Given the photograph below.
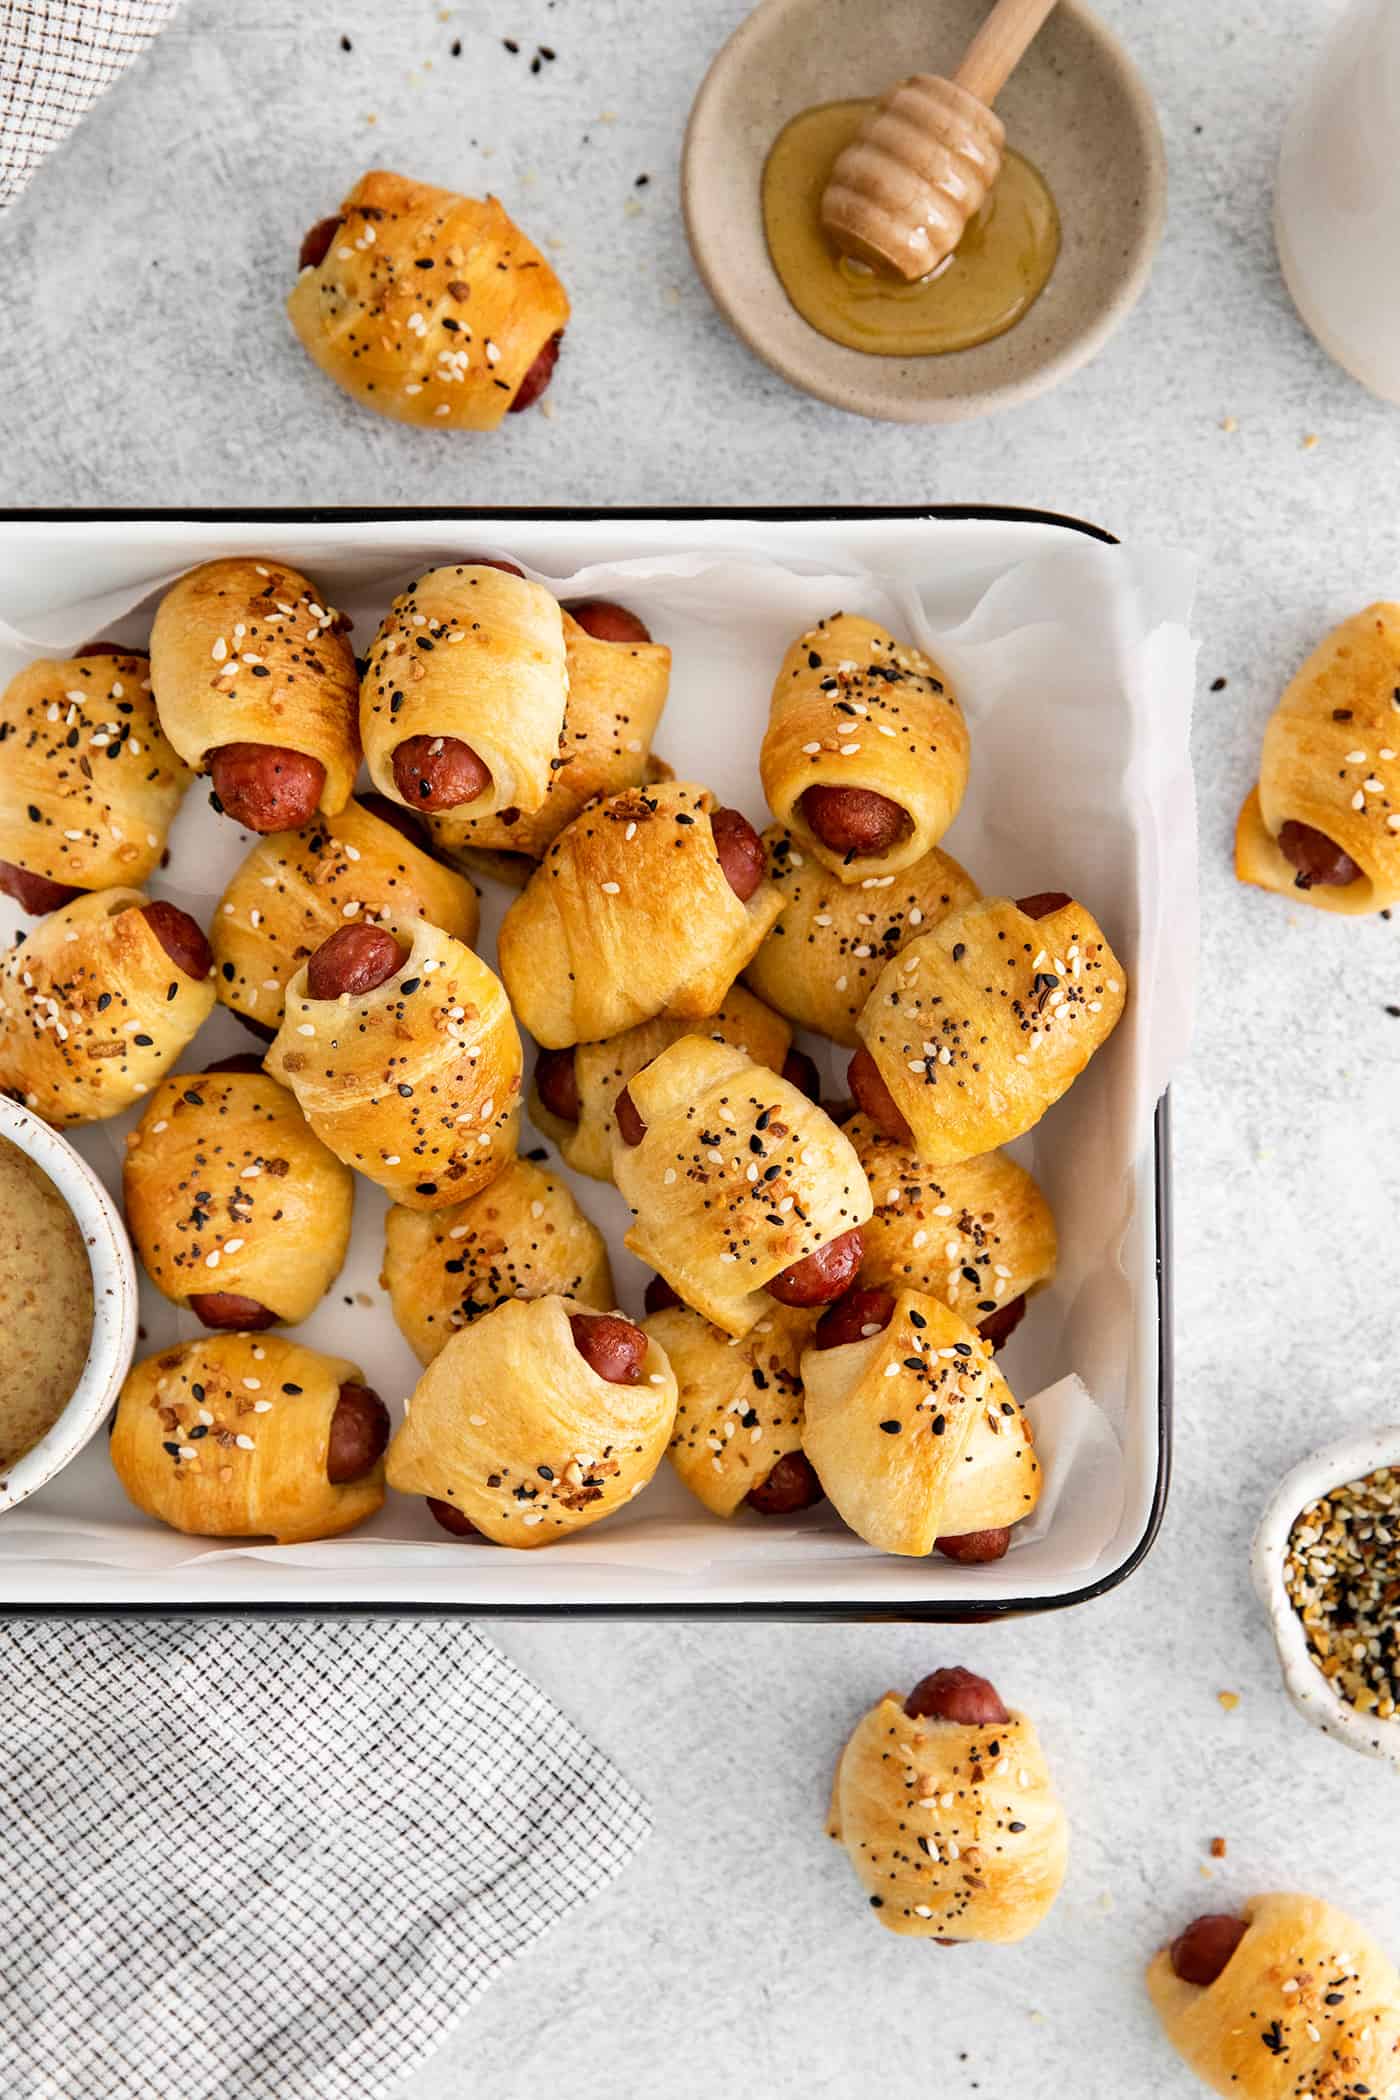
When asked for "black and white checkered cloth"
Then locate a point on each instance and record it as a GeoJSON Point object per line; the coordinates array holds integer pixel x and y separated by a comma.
{"type": "Point", "coordinates": [257, 1861]}
{"type": "Point", "coordinates": [56, 58]}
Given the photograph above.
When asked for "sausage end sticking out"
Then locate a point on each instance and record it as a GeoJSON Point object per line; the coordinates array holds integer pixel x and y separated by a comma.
{"type": "Point", "coordinates": [998, 1327]}
{"type": "Point", "coordinates": [451, 1518]}
{"type": "Point", "coordinates": [181, 937]}
{"type": "Point", "coordinates": [266, 787]}
{"type": "Point", "coordinates": [740, 851]}
{"type": "Point", "coordinates": [800, 1071]}
{"type": "Point", "coordinates": [854, 821]}
{"type": "Point", "coordinates": [556, 1080]}
{"type": "Point", "coordinates": [626, 1114]}
{"type": "Point", "coordinates": [34, 893]}
{"type": "Point", "coordinates": [1204, 1950]}
{"type": "Point", "coordinates": [659, 1296]}
{"type": "Point", "coordinates": [316, 242]}
{"type": "Point", "coordinates": [438, 772]}
{"type": "Point", "coordinates": [792, 1485]}
{"type": "Point", "coordinates": [608, 622]}
{"type": "Point", "coordinates": [227, 1311]}
{"type": "Point", "coordinates": [973, 1548]}
{"type": "Point", "coordinates": [538, 377]}
{"type": "Point", "coordinates": [853, 1318]}
{"type": "Point", "coordinates": [356, 958]}
{"type": "Point", "coordinates": [823, 1275]}
{"type": "Point", "coordinates": [609, 1345]}
{"type": "Point", "coordinates": [1316, 858]}
{"type": "Point", "coordinates": [108, 649]}
{"type": "Point", "coordinates": [1043, 902]}
{"type": "Point", "coordinates": [956, 1695]}
{"type": "Point", "coordinates": [359, 1434]}
{"type": "Point", "coordinates": [867, 1083]}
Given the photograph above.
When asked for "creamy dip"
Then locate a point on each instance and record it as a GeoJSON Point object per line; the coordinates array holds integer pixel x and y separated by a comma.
{"type": "Point", "coordinates": [45, 1304]}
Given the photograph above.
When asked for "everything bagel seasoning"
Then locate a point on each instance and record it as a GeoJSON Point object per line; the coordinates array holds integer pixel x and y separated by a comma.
{"type": "Point", "coordinates": [1342, 1574]}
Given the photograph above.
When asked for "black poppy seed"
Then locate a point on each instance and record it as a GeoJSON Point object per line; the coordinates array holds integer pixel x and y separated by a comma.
{"type": "Point", "coordinates": [200, 1429]}
{"type": "Point", "coordinates": [144, 1041]}
{"type": "Point", "coordinates": [939, 1424]}
{"type": "Point", "coordinates": [293, 1389]}
{"type": "Point", "coordinates": [104, 1002]}
{"type": "Point", "coordinates": [959, 950]}
{"type": "Point", "coordinates": [406, 1090]}
{"type": "Point", "coordinates": [892, 1428]}
{"type": "Point", "coordinates": [1016, 1828]}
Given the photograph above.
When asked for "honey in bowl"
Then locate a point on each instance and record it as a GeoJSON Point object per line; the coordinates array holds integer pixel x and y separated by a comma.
{"type": "Point", "coordinates": [46, 1307]}
{"type": "Point", "coordinates": [993, 277]}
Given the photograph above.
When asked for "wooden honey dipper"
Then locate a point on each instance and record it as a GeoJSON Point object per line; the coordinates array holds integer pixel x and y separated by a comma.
{"type": "Point", "coordinates": [922, 163]}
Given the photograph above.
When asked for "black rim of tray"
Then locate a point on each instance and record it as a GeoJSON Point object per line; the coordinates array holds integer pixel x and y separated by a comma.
{"type": "Point", "coordinates": [950, 1612]}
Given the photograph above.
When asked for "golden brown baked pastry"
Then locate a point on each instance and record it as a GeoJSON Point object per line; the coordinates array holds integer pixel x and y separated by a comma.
{"type": "Point", "coordinates": [737, 1440]}
{"type": "Point", "coordinates": [255, 684]}
{"type": "Point", "coordinates": [948, 1813]}
{"type": "Point", "coordinates": [251, 1436]}
{"type": "Point", "coordinates": [426, 306]}
{"type": "Point", "coordinates": [98, 1002]}
{"type": "Point", "coordinates": [914, 1433]}
{"type": "Point", "coordinates": [865, 756]}
{"type": "Point", "coordinates": [295, 888]}
{"type": "Point", "coordinates": [617, 690]}
{"type": "Point", "coordinates": [1290, 1997]}
{"type": "Point", "coordinates": [633, 913]}
{"type": "Point", "coordinates": [463, 697]}
{"type": "Point", "coordinates": [522, 1236]}
{"type": "Point", "coordinates": [514, 1432]}
{"type": "Point", "coordinates": [742, 1188]}
{"type": "Point", "coordinates": [88, 782]}
{"type": "Point", "coordinates": [415, 1080]}
{"type": "Point", "coordinates": [822, 955]}
{"type": "Point", "coordinates": [975, 1029]}
{"type": "Point", "coordinates": [235, 1207]}
{"type": "Point", "coordinates": [1324, 821]}
{"type": "Point", "coordinates": [980, 1235]}
{"type": "Point", "coordinates": [595, 1074]}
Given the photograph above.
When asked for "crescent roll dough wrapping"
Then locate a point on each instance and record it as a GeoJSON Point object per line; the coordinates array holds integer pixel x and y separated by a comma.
{"type": "Point", "coordinates": [978, 1027]}
{"type": "Point", "coordinates": [473, 653]}
{"type": "Point", "coordinates": [427, 306]}
{"type": "Point", "coordinates": [854, 708]}
{"type": "Point", "coordinates": [601, 1070]}
{"type": "Point", "coordinates": [88, 782]}
{"type": "Point", "coordinates": [956, 1829]}
{"type": "Point", "coordinates": [226, 1189]}
{"type": "Point", "coordinates": [1308, 2003]}
{"type": "Point", "coordinates": [629, 916]}
{"type": "Point", "coordinates": [247, 651]}
{"type": "Point", "coordinates": [92, 1010]}
{"type": "Point", "coordinates": [975, 1235]}
{"type": "Point", "coordinates": [915, 1434]}
{"type": "Point", "coordinates": [522, 1236]}
{"type": "Point", "coordinates": [296, 887]}
{"type": "Point", "coordinates": [416, 1083]}
{"type": "Point", "coordinates": [739, 1407]}
{"type": "Point", "coordinates": [737, 1177]}
{"type": "Point", "coordinates": [228, 1437]}
{"type": "Point", "coordinates": [616, 693]}
{"type": "Point", "coordinates": [1330, 762]}
{"type": "Point", "coordinates": [516, 1430]}
{"type": "Point", "coordinates": [824, 952]}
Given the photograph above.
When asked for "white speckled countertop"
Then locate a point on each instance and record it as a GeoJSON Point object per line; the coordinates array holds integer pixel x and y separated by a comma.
{"type": "Point", "coordinates": [146, 360]}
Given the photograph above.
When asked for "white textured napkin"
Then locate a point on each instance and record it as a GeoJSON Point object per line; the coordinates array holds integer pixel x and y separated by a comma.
{"type": "Point", "coordinates": [262, 1861]}
{"type": "Point", "coordinates": [56, 58]}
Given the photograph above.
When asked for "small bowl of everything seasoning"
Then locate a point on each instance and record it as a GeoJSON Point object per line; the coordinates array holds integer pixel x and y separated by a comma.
{"type": "Point", "coordinates": [1327, 1570]}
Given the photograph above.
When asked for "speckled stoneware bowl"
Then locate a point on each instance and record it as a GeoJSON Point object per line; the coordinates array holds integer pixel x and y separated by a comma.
{"type": "Point", "coordinates": [113, 1300]}
{"type": "Point", "coordinates": [1351, 1458]}
{"type": "Point", "coordinates": [1076, 106]}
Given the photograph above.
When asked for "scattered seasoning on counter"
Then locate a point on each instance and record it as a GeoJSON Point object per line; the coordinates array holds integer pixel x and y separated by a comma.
{"type": "Point", "coordinates": [1218, 685]}
{"type": "Point", "coordinates": [345, 44]}
{"type": "Point", "coordinates": [1229, 1700]}
{"type": "Point", "coordinates": [1342, 1574]}
{"type": "Point", "coordinates": [1218, 1848]}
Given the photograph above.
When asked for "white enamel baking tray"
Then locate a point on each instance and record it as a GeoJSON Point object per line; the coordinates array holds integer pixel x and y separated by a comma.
{"type": "Point", "coordinates": [79, 1548]}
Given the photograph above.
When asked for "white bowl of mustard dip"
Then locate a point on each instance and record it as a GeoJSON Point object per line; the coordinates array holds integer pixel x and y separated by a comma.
{"type": "Point", "coordinates": [67, 1303]}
